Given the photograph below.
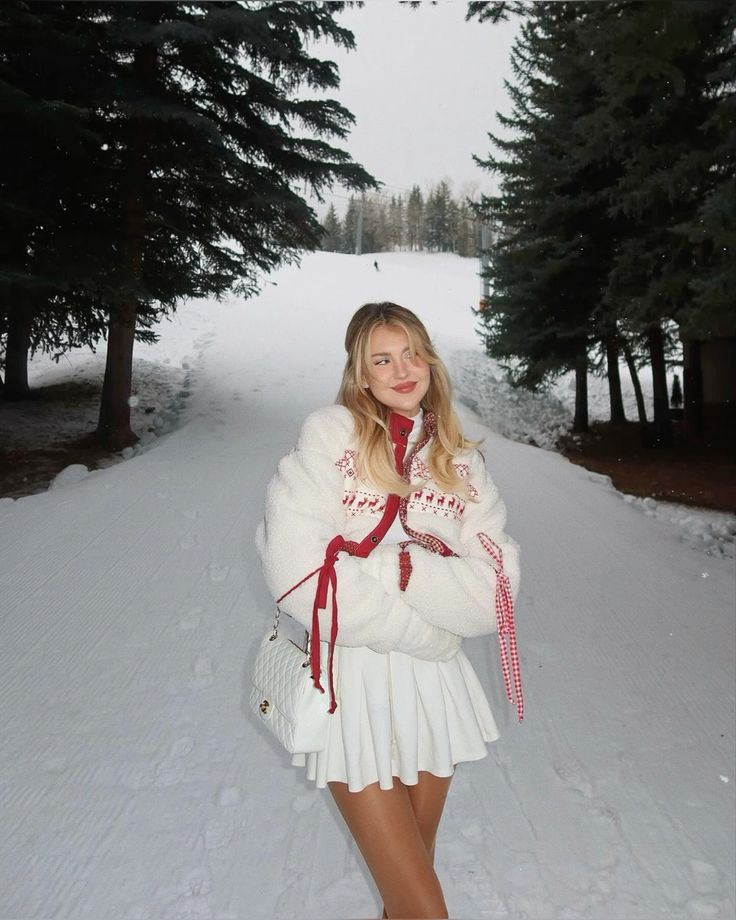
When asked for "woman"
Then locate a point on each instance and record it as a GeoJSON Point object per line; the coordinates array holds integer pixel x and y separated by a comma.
{"type": "Point", "coordinates": [392, 512]}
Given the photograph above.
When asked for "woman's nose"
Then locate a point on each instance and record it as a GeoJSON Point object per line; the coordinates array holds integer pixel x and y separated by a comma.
{"type": "Point", "coordinates": [401, 368]}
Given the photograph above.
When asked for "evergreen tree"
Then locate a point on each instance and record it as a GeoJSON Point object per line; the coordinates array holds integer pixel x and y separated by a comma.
{"type": "Point", "coordinates": [554, 247]}
{"type": "Point", "coordinates": [712, 229]}
{"type": "Point", "coordinates": [655, 64]}
{"type": "Point", "coordinates": [350, 226]}
{"type": "Point", "coordinates": [623, 132]}
{"type": "Point", "coordinates": [395, 221]}
{"type": "Point", "coordinates": [414, 219]}
{"type": "Point", "coordinates": [200, 141]}
{"type": "Point", "coordinates": [51, 258]}
{"type": "Point", "coordinates": [438, 217]}
{"type": "Point", "coordinates": [332, 239]}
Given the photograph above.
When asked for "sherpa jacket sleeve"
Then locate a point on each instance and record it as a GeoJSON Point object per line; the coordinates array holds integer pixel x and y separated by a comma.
{"type": "Point", "coordinates": [303, 513]}
{"type": "Point", "coordinates": [458, 593]}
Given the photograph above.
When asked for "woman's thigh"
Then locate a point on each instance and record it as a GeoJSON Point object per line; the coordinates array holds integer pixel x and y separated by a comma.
{"type": "Point", "coordinates": [385, 828]}
{"type": "Point", "coordinates": [427, 799]}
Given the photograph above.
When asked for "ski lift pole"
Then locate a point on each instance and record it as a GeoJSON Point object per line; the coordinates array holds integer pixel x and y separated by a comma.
{"type": "Point", "coordinates": [484, 257]}
{"type": "Point", "coordinates": [359, 229]}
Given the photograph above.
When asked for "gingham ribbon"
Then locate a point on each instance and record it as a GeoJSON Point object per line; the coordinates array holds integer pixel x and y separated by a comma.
{"type": "Point", "coordinates": [505, 626]}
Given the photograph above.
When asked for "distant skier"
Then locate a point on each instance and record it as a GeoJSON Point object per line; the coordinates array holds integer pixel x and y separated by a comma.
{"type": "Point", "coordinates": [375, 265]}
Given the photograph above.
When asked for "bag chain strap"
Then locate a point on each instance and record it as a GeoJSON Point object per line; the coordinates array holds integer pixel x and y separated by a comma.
{"type": "Point", "coordinates": [275, 635]}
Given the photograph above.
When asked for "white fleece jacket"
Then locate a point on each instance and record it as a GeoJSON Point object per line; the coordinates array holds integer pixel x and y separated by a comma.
{"type": "Point", "coordinates": [316, 495]}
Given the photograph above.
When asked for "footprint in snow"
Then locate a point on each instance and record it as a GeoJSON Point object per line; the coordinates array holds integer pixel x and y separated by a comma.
{"type": "Point", "coordinates": [229, 795]}
{"type": "Point", "coordinates": [219, 832]}
{"type": "Point", "coordinates": [191, 619]}
{"type": "Point", "coordinates": [169, 774]}
{"type": "Point", "coordinates": [202, 668]}
{"type": "Point", "coordinates": [217, 572]}
{"type": "Point", "coordinates": [188, 541]}
{"type": "Point", "coordinates": [573, 775]}
{"type": "Point", "coordinates": [182, 746]}
{"type": "Point", "coordinates": [704, 877]}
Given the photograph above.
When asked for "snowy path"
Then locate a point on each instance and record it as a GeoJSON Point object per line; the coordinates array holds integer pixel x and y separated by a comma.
{"type": "Point", "coordinates": [133, 783]}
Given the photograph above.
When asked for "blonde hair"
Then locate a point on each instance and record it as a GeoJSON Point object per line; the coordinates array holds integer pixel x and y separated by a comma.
{"type": "Point", "coordinates": [373, 453]}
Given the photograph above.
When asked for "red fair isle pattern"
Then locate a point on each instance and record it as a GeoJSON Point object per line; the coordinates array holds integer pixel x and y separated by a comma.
{"type": "Point", "coordinates": [360, 501]}
{"type": "Point", "coordinates": [346, 463]}
{"type": "Point", "coordinates": [444, 504]}
{"type": "Point", "coordinates": [505, 622]}
{"type": "Point", "coordinates": [419, 469]}
{"type": "Point", "coordinates": [463, 471]}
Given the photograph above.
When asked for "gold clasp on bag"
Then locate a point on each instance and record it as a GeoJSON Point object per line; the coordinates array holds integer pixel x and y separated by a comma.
{"type": "Point", "coordinates": [265, 706]}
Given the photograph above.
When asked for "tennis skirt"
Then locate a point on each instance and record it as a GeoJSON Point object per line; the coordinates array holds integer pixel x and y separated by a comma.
{"type": "Point", "coordinates": [397, 715]}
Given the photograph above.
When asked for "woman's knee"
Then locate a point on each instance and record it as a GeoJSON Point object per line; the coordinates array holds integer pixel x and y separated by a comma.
{"type": "Point", "coordinates": [385, 829]}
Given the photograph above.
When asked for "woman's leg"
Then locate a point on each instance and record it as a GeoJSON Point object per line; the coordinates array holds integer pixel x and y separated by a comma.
{"type": "Point", "coordinates": [427, 801]}
{"type": "Point", "coordinates": [383, 824]}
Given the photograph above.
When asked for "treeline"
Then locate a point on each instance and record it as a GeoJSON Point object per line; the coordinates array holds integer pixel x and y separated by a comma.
{"type": "Point", "coordinates": [150, 153]}
{"type": "Point", "coordinates": [434, 222]}
{"type": "Point", "coordinates": [615, 221]}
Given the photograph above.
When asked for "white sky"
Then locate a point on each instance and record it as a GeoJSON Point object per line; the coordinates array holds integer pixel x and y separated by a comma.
{"type": "Point", "coordinates": [424, 87]}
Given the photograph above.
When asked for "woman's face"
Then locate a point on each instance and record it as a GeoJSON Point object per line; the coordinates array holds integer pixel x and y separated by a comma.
{"type": "Point", "coordinates": [396, 376]}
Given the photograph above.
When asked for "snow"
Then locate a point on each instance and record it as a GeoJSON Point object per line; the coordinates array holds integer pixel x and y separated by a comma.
{"type": "Point", "coordinates": [134, 783]}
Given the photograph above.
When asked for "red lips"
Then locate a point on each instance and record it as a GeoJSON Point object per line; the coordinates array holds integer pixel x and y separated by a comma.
{"type": "Point", "coordinates": [405, 387]}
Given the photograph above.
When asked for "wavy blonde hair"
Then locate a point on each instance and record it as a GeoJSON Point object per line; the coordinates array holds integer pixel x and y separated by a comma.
{"type": "Point", "coordinates": [373, 454]}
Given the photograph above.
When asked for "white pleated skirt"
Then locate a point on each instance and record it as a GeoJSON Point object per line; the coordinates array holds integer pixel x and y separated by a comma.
{"type": "Point", "coordinates": [397, 715]}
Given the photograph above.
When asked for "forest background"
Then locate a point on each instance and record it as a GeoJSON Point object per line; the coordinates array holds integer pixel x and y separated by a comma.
{"type": "Point", "coordinates": [155, 152]}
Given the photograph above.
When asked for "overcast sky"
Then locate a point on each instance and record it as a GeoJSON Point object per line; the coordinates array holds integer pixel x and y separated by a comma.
{"type": "Point", "coordinates": [424, 87]}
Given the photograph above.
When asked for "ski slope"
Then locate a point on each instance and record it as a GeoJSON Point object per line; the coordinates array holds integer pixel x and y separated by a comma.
{"type": "Point", "coordinates": [134, 784]}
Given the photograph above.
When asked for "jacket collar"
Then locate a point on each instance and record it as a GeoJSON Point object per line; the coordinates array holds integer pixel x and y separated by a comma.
{"type": "Point", "coordinates": [399, 427]}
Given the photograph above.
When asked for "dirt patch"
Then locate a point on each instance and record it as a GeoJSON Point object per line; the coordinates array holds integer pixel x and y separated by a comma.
{"type": "Point", "coordinates": [26, 472]}
{"type": "Point", "coordinates": [41, 436]}
{"type": "Point", "coordinates": [701, 474]}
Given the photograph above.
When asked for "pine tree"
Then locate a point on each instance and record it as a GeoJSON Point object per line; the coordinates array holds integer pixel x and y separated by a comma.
{"type": "Point", "coordinates": [201, 140]}
{"type": "Point", "coordinates": [350, 226]}
{"type": "Point", "coordinates": [51, 257]}
{"type": "Point", "coordinates": [554, 248]}
{"type": "Point", "coordinates": [414, 219]}
{"type": "Point", "coordinates": [438, 230]}
{"type": "Point", "coordinates": [332, 239]}
{"type": "Point", "coordinates": [660, 98]}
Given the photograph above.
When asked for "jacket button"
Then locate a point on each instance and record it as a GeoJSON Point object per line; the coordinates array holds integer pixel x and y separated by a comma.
{"type": "Point", "coordinates": [402, 432]}
{"type": "Point", "coordinates": [374, 539]}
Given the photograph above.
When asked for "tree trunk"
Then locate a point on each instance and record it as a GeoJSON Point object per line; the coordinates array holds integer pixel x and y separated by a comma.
{"type": "Point", "coordinates": [614, 380]}
{"type": "Point", "coordinates": [580, 421]}
{"type": "Point", "coordinates": [636, 383]}
{"type": "Point", "coordinates": [692, 378]}
{"type": "Point", "coordinates": [17, 345]}
{"type": "Point", "coordinates": [113, 427]}
{"type": "Point", "coordinates": [662, 420]}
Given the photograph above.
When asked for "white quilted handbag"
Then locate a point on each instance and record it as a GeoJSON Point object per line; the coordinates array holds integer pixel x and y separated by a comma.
{"type": "Point", "coordinates": [284, 697]}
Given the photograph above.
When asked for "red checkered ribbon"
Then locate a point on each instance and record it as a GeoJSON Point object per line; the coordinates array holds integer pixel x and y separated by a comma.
{"type": "Point", "coordinates": [505, 626]}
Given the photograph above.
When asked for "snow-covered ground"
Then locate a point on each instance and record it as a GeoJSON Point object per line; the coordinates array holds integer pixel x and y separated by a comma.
{"type": "Point", "coordinates": [133, 781]}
